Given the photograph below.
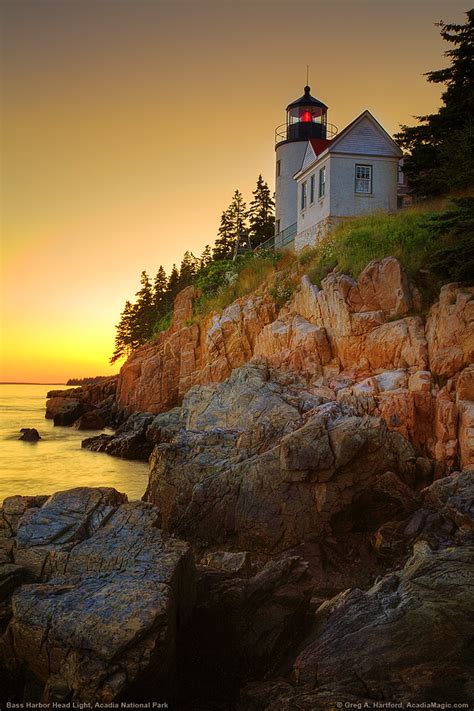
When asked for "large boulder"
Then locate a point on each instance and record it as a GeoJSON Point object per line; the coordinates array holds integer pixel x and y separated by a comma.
{"type": "Point", "coordinates": [267, 464]}
{"type": "Point", "coordinates": [102, 621]}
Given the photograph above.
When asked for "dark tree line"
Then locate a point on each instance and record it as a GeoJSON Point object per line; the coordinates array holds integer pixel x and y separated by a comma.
{"type": "Point", "coordinates": [441, 147]}
{"type": "Point", "coordinates": [150, 313]}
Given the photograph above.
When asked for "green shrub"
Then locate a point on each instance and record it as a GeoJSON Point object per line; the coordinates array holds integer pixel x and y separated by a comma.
{"type": "Point", "coordinates": [282, 290]}
{"type": "Point", "coordinates": [454, 261]}
{"type": "Point", "coordinates": [239, 278]}
{"type": "Point", "coordinates": [162, 324]}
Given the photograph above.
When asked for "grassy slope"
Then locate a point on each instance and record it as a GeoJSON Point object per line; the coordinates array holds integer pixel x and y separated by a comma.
{"type": "Point", "coordinates": [412, 235]}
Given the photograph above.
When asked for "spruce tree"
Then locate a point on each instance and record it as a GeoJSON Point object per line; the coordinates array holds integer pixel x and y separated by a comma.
{"type": "Point", "coordinates": [144, 309]}
{"type": "Point", "coordinates": [205, 258]}
{"type": "Point", "coordinates": [441, 146]}
{"type": "Point", "coordinates": [261, 214]}
{"type": "Point", "coordinates": [125, 338]}
{"type": "Point", "coordinates": [159, 290]}
{"type": "Point", "coordinates": [187, 269]}
{"type": "Point", "coordinates": [173, 286]}
{"type": "Point", "coordinates": [233, 224]}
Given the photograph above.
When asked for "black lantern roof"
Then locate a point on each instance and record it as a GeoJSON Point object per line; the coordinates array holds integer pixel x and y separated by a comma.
{"type": "Point", "coordinates": [306, 100]}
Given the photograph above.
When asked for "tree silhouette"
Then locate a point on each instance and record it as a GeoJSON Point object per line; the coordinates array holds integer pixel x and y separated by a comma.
{"type": "Point", "coordinates": [187, 270]}
{"type": "Point", "coordinates": [233, 223]}
{"type": "Point", "coordinates": [126, 336]}
{"type": "Point", "coordinates": [441, 146]}
{"type": "Point", "coordinates": [159, 289]}
{"type": "Point", "coordinates": [261, 214]}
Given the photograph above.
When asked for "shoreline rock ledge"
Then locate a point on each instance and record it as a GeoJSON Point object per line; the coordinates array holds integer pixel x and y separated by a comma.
{"type": "Point", "coordinates": [106, 596]}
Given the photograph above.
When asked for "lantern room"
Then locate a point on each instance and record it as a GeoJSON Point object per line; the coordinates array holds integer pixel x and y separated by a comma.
{"type": "Point", "coordinates": [306, 118]}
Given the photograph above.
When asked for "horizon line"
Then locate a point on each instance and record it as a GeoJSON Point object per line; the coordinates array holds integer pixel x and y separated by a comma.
{"type": "Point", "coordinates": [25, 382]}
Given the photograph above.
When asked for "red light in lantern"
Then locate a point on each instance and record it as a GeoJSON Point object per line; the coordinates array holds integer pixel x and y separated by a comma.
{"type": "Point", "coordinates": [306, 116]}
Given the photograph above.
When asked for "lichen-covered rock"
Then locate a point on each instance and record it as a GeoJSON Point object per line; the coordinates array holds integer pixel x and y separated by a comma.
{"type": "Point", "coordinates": [102, 623]}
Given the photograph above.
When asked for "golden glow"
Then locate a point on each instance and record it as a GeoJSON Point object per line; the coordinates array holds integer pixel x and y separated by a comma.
{"type": "Point", "coordinates": [127, 126]}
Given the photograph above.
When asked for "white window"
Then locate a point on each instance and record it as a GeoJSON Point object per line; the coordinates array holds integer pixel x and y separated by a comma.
{"type": "Point", "coordinates": [278, 168]}
{"type": "Point", "coordinates": [322, 182]}
{"type": "Point", "coordinates": [304, 195]}
{"type": "Point", "coordinates": [363, 178]}
{"type": "Point", "coordinates": [277, 227]}
{"type": "Point", "coordinates": [311, 189]}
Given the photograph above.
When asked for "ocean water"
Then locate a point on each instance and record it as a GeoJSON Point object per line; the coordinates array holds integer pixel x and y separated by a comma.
{"type": "Point", "coordinates": [57, 461]}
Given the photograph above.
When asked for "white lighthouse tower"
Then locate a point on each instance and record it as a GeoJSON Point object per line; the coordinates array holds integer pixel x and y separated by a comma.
{"type": "Point", "coordinates": [306, 118]}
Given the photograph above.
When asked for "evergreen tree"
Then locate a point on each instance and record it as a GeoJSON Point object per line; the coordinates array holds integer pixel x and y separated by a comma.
{"type": "Point", "coordinates": [126, 336]}
{"type": "Point", "coordinates": [225, 242]}
{"type": "Point", "coordinates": [187, 269]}
{"type": "Point", "coordinates": [441, 146]}
{"type": "Point", "coordinates": [173, 286]}
{"type": "Point", "coordinates": [159, 290]}
{"type": "Point", "coordinates": [145, 309]}
{"type": "Point", "coordinates": [205, 258]}
{"type": "Point", "coordinates": [261, 214]}
{"type": "Point", "coordinates": [233, 223]}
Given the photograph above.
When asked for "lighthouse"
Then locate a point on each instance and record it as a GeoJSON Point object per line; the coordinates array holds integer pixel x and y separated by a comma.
{"type": "Point", "coordinates": [306, 119]}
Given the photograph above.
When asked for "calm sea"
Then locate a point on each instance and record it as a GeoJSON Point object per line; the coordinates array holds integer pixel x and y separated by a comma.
{"type": "Point", "coordinates": [57, 461]}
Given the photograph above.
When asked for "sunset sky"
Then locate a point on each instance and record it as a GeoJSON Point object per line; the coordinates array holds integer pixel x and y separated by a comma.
{"type": "Point", "coordinates": [128, 124]}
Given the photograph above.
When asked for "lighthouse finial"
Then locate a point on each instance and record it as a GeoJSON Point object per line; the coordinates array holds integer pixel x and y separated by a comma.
{"type": "Point", "coordinates": [307, 74]}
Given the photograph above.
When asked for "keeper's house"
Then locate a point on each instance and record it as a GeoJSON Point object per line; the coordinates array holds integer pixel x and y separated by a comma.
{"type": "Point", "coordinates": [323, 176]}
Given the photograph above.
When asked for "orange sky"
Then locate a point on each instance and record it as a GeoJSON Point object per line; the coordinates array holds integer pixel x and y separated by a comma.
{"type": "Point", "coordinates": [128, 124]}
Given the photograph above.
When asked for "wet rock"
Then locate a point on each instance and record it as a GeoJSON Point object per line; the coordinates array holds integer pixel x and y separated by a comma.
{"type": "Point", "coordinates": [65, 411]}
{"type": "Point", "coordinates": [29, 434]}
{"type": "Point", "coordinates": [129, 440]}
{"type": "Point", "coordinates": [90, 421]}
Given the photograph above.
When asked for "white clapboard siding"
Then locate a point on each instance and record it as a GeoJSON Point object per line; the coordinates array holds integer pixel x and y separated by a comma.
{"type": "Point", "coordinates": [364, 138]}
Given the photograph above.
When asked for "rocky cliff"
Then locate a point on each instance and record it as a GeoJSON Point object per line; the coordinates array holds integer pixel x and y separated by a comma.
{"type": "Point", "coordinates": [306, 537]}
{"type": "Point", "coordinates": [356, 338]}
